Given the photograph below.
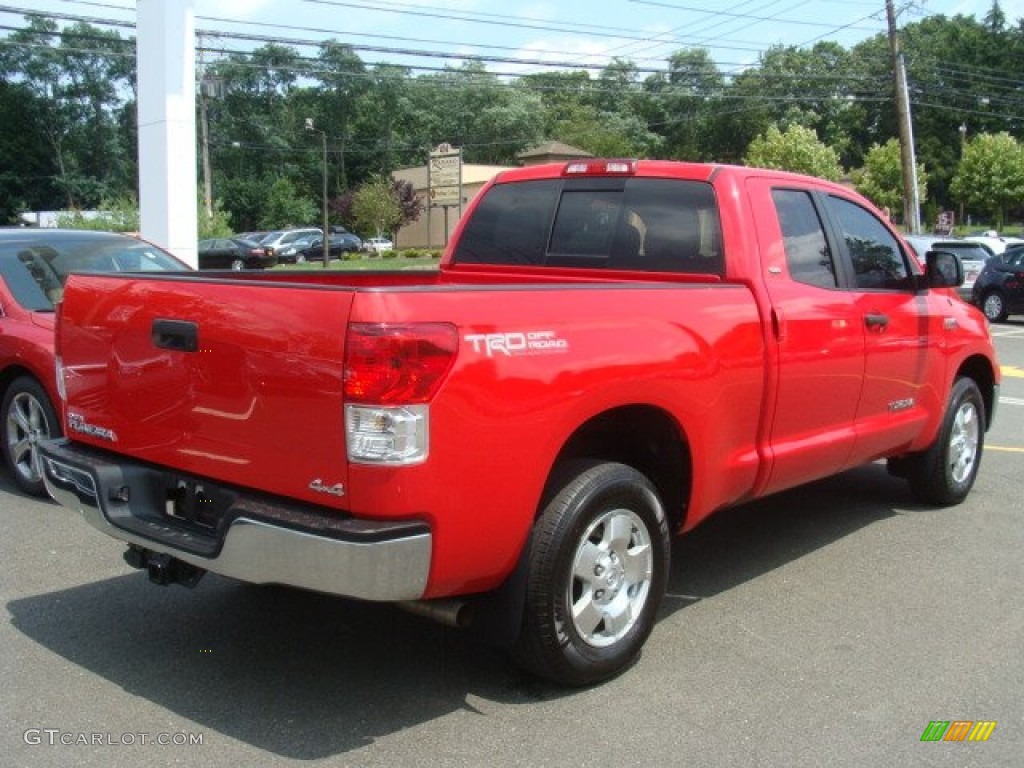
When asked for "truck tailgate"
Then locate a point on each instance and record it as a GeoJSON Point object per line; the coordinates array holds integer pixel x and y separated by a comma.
{"type": "Point", "coordinates": [226, 379]}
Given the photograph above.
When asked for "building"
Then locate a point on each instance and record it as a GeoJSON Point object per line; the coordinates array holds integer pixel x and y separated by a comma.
{"type": "Point", "coordinates": [436, 224]}
{"type": "Point", "coordinates": [551, 152]}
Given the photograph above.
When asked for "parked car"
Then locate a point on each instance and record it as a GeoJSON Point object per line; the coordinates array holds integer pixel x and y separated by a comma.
{"type": "Point", "coordinates": [234, 253]}
{"type": "Point", "coordinates": [349, 242]}
{"type": "Point", "coordinates": [341, 243]}
{"type": "Point", "coordinates": [972, 255]}
{"type": "Point", "coordinates": [994, 241]}
{"type": "Point", "coordinates": [999, 289]}
{"type": "Point", "coordinates": [34, 264]}
{"type": "Point", "coordinates": [377, 245]}
{"type": "Point", "coordinates": [282, 242]}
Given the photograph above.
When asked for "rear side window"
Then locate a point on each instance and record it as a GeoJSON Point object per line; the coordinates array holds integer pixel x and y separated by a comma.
{"type": "Point", "coordinates": [649, 225]}
{"type": "Point", "coordinates": [807, 253]}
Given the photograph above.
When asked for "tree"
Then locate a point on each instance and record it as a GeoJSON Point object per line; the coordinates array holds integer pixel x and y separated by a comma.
{"type": "Point", "coordinates": [27, 169]}
{"type": "Point", "coordinates": [286, 208]}
{"type": "Point", "coordinates": [990, 176]}
{"type": "Point", "coordinates": [409, 205]}
{"type": "Point", "coordinates": [608, 134]}
{"type": "Point", "coordinates": [562, 95]}
{"type": "Point", "coordinates": [815, 88]}
{"type": "Point", "coordinates": [473, 109]}
{"type": "Point", "coordinates": [881, 178]}
{"type": "Point", "coordinates": [683, 105]}
{"type": "Point", "coordinates": [375, 207]}
{"type": "Point", "coordinates": [795, 149]}
{"type": "Point", "coordinates": [343, 78]}
{"type": "Point", "coordinates": [76, 76]}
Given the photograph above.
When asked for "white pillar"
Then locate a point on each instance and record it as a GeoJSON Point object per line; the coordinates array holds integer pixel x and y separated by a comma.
{"type": "Point", "coordinates": [165, 56]}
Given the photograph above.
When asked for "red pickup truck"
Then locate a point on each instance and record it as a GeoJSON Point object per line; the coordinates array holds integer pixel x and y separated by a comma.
{"type": "Point", "coordinates": [609, 352]}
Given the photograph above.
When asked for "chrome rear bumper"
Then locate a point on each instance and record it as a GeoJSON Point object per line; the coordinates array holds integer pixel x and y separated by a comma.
{"type": "Point", "coordinates": [262, 540]}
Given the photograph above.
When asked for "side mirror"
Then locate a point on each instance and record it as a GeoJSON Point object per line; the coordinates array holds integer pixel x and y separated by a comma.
{"type": "Point", "coordinates": [943, 270]}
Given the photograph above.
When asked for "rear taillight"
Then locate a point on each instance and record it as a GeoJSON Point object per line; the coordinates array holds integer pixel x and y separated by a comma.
{"type": "Point", "coordinates": [397, 364]}
{"type": "Point", "coordinates": [391, 372]}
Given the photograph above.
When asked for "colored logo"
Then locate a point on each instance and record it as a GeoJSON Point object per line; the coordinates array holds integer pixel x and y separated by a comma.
{"type": "Point", "coordinates": [958, 730]}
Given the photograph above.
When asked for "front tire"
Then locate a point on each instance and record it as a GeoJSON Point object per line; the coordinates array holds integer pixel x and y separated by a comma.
{"type": "Point", "coordinates": [598, 569]}
{"type": "Point", "coordinates": [944, 474]}
{"type": "Point", "coordinates": [28, 417]}
{"type": "Point", "coordinates": [994, 307]}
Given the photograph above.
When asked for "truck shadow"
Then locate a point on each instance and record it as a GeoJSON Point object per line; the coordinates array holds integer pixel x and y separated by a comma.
{"type": "Point", "coordinates": [740, 544]}
{"type": "Point", "coordinates": [308, 676]}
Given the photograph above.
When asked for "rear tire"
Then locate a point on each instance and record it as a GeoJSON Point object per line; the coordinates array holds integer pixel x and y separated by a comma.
{"type": "Point", "coordinates": [944, 474]}
{"type": "Point", "coordinates": [598, 569]}
{"type": "Point", "coordinates": [994, 307]}
{"type": "Point", "coordinates": [28, 417]}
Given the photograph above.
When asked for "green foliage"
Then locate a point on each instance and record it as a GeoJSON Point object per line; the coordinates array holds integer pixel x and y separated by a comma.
{"type": "Point", "coordinates": [796, 149]}
{"type": "Point", "coordinates": [218, 225]}
{"type": "Point", "coordinates": [70, 138]}
{"type": "Point", "coordinates": [115, 215]}
{"type": "Point", "coordinates": [990, 177]}
{"type": "Point", "coordinates": [375, 207]}
{"type": "Point", "coordinates": [881, 178]}
{"type": "Point", "coordinates": [421, 253]}
{"type": "Point", "coordinates": [285, 207]}
{"type": "Point", "coordinates": [78, 92]}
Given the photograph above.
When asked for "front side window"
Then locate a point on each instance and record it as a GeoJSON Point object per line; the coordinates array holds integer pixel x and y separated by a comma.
{"type": "Point", "coordinates": [877, 260]}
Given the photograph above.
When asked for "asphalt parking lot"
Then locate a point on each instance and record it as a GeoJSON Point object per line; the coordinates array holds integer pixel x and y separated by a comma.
{"type": "Point", "coordinates": [825, 626]}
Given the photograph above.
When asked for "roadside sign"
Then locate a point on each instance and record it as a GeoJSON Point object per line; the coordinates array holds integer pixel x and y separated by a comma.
{"type": "Point", "coordinates": [445, 175]}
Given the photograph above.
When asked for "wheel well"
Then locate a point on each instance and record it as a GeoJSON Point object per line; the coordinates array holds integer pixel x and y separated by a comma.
{"type": "Point", "coordinates": [980, 369]}
{"type": "Point", "coordinates": [10, 374]}
{"type": "Point", "coordinates": [645, 438]}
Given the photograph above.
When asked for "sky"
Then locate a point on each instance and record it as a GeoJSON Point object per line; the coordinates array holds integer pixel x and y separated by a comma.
{"type": "Point", "coordinates": [534, 35]}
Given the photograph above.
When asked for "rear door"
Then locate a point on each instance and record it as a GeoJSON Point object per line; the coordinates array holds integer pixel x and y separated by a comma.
{"type": "Point", "coordinates": [819, 336]}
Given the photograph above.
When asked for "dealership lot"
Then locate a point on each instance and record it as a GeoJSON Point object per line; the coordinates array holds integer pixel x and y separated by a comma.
{"type": "Point", "coordinates": [825, 626]}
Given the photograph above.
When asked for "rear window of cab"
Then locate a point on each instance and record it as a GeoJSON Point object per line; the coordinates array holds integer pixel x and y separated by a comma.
{"type": "Point", "coordinates": [637, 224]}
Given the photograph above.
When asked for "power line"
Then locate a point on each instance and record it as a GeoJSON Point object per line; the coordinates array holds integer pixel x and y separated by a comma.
{"type": "Point", "coordinates": [831, 79]}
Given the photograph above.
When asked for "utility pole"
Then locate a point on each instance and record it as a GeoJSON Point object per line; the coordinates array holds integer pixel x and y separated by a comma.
{"type": "Point", "coordinates": [323, 178]}
{"type": "Point", "coordinates": [204, 128]}
{"type": "Point", "coordinates": [911, 203]}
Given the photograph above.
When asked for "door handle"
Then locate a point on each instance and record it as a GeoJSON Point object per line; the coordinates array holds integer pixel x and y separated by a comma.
{"type": "Point", "coordinates": [177, 335]}
{"type": "Point", "coordinates": [876, 320]}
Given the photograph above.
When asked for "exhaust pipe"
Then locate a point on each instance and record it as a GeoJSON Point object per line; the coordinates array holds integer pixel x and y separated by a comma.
{"type": "Point", "coordinates": [450, 612]}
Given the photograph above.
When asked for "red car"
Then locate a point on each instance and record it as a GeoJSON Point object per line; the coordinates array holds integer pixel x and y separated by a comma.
{"type": "Point", "coordinates": [34, 264]}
